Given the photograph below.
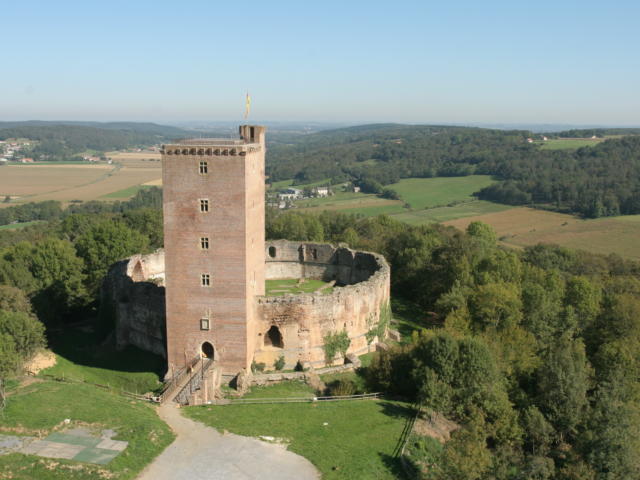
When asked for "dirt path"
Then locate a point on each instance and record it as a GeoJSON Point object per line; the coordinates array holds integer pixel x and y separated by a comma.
{"type": "Point", "coordinates": [201, 453]}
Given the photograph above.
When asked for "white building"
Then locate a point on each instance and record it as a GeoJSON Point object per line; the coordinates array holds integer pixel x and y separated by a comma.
{"type": "Point", "coordinates": [322, 191]}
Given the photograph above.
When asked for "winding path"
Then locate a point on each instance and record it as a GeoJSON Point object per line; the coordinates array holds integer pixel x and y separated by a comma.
{"type": "Point", "coordinates": [201, 453]}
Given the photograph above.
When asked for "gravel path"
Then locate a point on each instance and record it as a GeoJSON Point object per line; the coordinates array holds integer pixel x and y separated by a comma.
{"type": "Point", "coordinates": [201, 453]}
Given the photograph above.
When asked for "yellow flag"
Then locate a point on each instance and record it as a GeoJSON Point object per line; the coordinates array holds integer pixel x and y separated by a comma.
{"type": "Point", "coordinates": [247, 107]}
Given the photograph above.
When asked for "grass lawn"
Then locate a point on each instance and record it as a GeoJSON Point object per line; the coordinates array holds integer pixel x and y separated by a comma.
{"type": "Point", "coordinates": [125, 192]}
{"type": "Point", "coordinates": [80, 357]}
{"type": "Point", "coordinates": [36, 409]}
{"type": "Point", "coordinates": [569, 143]}
{"type": "Point", "coordinates": [16, 226]}
{"type": "Point", "coordinates": [430, 192]}
{"type": "Point", "coordinates": [281, 390]}
{"type": "Point", "coordinates": [357, 443]}
{"type": "Point", "coordinates": [278, 287]}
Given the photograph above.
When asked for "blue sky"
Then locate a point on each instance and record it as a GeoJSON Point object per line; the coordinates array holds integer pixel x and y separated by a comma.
{"type": "Point", "coordinates": [349, 61]}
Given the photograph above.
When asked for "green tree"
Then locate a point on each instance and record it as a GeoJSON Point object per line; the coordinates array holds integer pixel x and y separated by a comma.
{"type": "Point", "coordinates": [14, 300]}
{"type": "Point", "coordinates": [562, 383]}
{"type": "Point", "coordinates": [496, 305]}
{"type": "Point", "coordinates": [105, 243]}
{"type": "Point", "coordinates": [26, 332]}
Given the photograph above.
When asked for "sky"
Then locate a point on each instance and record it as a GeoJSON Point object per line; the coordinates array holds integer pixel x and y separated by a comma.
{"type": "Point", "coordinates": [463, 62]}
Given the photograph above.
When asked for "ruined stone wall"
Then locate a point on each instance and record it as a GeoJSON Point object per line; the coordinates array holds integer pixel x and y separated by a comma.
{"type": "Point", "coordinates": [305, 319]}
{"type": "Point", "coordinates": [133, 295]}
{"type": "Point", "coordinates": [134, 290]}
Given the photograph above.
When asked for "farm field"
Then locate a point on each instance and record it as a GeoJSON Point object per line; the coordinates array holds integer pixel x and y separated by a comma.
{"type": "Point", "coordinates": [522, 226]}
{"type": "Point", "coordinates": [34, 183]}
{"type": "Point", "coordinates": [427, 197]}
{"type": "Point", "coordinates": [430, 192]}
{"type": "Point", "coordinates": [443, 214]}
{"type": "Point", "coordinates": [569, 143]}
{"type": "Point", "coordinates": [349, 202]}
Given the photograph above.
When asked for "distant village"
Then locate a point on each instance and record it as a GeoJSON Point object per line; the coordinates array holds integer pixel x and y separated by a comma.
{"type": "Point", "coordinates": [286, 197]}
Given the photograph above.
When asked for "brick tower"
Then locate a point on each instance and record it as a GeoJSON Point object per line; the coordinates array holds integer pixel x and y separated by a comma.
{"type": "Point", "coordinates": [214, 247]}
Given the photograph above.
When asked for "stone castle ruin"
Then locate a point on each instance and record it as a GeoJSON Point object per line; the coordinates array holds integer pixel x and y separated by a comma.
{"type": "Point", "coordinates": [203, 297]}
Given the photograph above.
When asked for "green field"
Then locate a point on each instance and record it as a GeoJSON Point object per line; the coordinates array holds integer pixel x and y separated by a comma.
{"type": "Point", "coordinates": [279, 287]}
{"type": "Point", "coordinates": [423, 193]}
{"type": "Point", "coordinates": [357, 441]}
{"type": "Point", "coordinates": [423, 200]}
{"type": "Point", "coordinates": [81, 357]}
{"type": "Point", "coordinates": [16, 226]}
{"type": "Point", "coordinates": [568, 143]}
{"type": "Point", "coordinates": [444, 214]}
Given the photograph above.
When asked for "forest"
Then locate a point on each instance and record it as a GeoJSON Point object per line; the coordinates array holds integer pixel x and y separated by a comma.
{"type": "Point", "coordinates": [535, 353]}
{"type": "Point", "coordinates": [603, 180]}
{"type": "Point", "coordinates": [64, 142]}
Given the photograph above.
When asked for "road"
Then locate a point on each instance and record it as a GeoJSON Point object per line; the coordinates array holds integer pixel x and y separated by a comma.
{"type": "Point", "coordinates": [201, 453]}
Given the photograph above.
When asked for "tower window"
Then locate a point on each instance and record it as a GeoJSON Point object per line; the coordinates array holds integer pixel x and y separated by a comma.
{"type": "Point", "coordinates": [205, 280]}
{"type": "Point", "coordinates": [204, 243]}
{"type": "Point", "coordinates": [272, 252]}
{"type": "Point", "coordinates": [204, 324]}
{"type": "Point", "coordinates": [204, 168]}
{"type": "Point", "coordinates": [204, 205]}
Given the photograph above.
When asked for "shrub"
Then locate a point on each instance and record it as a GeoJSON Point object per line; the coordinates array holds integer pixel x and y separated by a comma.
{"type": "Point", "coordinates": [258, 367]}
{"type": "Point", "coordinates": [279, 363]}
{"type": "Point", "coordinates": [335, 343]}
{"type": "Point", "coordinates": [339, 388]}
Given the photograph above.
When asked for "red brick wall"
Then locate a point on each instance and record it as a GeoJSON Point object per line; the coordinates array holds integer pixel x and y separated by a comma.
{"type": "Point", "coordinates": [234, 187]}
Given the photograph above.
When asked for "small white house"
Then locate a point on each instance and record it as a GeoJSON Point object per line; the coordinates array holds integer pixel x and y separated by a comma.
{"type": "Point", "coordinates": [322, 191]}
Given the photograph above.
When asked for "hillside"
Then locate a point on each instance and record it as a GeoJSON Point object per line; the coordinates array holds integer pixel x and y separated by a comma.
{"type": "Point", "coordinates": [594, 181]}
{"type": "Point", "coordinates": [60, 141]}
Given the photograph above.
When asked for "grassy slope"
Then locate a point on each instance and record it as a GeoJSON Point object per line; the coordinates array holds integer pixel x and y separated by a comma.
{"type": "Point", "coordinates": [125, 192]}
{"type": "Point", "coordinates": [423, 193]}
{"type": "Point", "coordinates": [525, 226]}
{"type": "Point", "coordinates": [81, 357]}
{"type": "Point", "coordinates": [444, 214]}
{"type": "Point", "coordinates": [428, 199]}
{"type": "Point", "coordinates": [39, 407]}
{"type": "Point", "coordinates": [357, 443]}
{"type": "Point", "coordinates": [569, 143]}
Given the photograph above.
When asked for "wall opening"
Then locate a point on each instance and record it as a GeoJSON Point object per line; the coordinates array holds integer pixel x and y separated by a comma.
{"type": "Point", "coordinates": [272, 252]}
{"type": "Point", "coordinates": [138, 274]}
{"type": "Point", "coordinates": [273, 338]}
{"type": "Point", "coordinates": [207, 350]}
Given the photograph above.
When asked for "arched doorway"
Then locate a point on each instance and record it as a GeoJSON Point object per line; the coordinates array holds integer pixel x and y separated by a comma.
{"type": "Point", "coordinates": [207, 350]}
{"type": "Point", "coordinates": [273, 338]}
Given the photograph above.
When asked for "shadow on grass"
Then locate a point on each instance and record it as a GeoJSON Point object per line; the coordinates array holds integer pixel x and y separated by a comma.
{"type": "Point", "coordinates": [84, 346]}
{"type": "Point", "coordinates": [394, 465]}
{"type": "Point", "coordinates": [397, 410]}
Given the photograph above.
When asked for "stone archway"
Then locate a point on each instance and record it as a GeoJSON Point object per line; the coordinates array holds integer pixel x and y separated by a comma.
{"type": "Point", "coordinates": [207, 350]}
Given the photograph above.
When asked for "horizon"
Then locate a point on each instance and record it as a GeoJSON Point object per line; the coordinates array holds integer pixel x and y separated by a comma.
{"type": "Point", "coordinates": [462, 63]}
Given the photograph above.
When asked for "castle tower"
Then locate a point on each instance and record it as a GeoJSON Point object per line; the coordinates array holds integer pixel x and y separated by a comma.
{"type": "Point", "coordinates": [214, 247]}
